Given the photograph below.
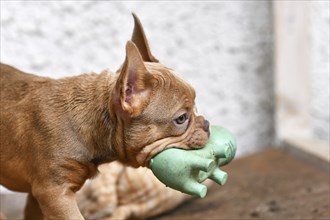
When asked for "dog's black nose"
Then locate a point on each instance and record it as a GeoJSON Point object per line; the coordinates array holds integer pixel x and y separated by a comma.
{"type": "Point", "coordinates": [206, 126]}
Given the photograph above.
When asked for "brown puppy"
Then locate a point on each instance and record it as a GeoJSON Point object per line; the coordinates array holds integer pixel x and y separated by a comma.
{"type": "Point", "coordinates": [54, 133]}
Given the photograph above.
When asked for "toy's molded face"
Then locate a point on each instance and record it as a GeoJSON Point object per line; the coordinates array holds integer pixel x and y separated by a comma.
{"type": "Point", "coordinates": [195, 166]}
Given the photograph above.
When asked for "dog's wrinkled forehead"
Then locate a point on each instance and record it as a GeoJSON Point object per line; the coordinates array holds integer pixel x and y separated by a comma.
{"type": "Point", "coordinates": [169, 79]}
{"type": "Point", "coordinates": [172, 95]}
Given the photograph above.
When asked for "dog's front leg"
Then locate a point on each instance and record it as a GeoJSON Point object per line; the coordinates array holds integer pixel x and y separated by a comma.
{"type": "Point", "coordinates": [57, 203]}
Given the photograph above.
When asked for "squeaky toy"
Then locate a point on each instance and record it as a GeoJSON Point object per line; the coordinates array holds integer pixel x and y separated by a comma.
{"type": "Point", "coordinates": [185, 170]}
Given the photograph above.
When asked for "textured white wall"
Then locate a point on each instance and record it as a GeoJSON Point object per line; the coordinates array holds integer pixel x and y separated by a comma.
{"type": "Point", "coordinates": [320, 68]}
{"type": "Point", "coordinates": [223, 48]}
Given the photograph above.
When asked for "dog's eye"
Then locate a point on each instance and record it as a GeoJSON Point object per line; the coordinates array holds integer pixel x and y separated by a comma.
{"type": "Point", "coordinates": [181, 119]}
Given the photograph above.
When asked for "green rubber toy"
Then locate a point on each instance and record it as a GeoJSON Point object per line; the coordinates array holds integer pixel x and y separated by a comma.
{"type": "Point", "coordinates": [185, 170]}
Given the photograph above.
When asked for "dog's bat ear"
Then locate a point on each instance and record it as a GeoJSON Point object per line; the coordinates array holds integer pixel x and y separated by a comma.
{"type": "Point", "coordinates": [140, 40]}
{"type": "Point", "coordinates": [135, 82]}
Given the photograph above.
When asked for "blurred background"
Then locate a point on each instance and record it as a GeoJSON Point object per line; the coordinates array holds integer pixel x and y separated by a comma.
{"type": "Point", "coordinates": [230, 51]}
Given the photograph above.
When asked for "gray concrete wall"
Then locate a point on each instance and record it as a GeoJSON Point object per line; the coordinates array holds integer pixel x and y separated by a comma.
{"type": "Point", "coordinates": [320, 68]}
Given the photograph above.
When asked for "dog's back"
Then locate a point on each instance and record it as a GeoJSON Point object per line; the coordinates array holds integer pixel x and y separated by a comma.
{"type": "Point", "coordinates": [35, 125]}
{"type": "Point", "coordinates": [14, 84]}
{"type": "Point", "coordinates": [16, 89]}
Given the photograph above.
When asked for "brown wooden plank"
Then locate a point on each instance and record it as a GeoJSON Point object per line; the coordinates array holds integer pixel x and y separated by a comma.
{"type": "Point", "coordinates": [269, 184]}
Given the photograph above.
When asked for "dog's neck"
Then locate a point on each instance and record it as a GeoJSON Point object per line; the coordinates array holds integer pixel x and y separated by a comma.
{"type": "Point", "coordinates": [89, 113]}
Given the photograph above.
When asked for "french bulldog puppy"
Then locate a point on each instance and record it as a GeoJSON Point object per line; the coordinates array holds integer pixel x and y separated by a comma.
{"type": "Point", "coordinates": [55, 133]}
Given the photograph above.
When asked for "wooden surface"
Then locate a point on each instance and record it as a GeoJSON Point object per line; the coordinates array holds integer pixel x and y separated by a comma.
{"type": "Point", "coordinates": [267, 185]}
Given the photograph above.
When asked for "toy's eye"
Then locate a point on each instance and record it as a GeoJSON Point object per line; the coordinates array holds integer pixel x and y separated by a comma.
{"type": "Point", "coordinates": [181, 119]}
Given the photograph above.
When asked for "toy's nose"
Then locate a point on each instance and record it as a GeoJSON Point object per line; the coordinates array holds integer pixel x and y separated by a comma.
{"type": "Point", "coordinates": [206, 126]}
